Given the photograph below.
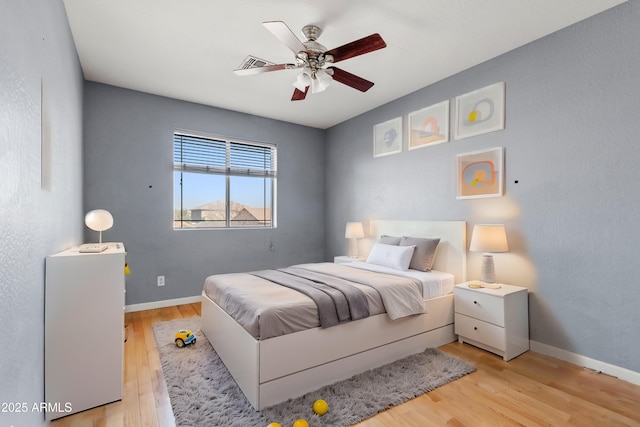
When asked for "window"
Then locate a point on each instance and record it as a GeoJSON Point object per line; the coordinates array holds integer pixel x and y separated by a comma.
{"type": "Point", "coordinates": [219, 183]}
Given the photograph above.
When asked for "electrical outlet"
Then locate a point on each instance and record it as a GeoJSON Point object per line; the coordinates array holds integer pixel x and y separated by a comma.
{"type": "Point", "coordinates": [160, 280]}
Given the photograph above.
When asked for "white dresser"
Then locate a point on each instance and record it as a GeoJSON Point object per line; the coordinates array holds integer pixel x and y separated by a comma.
{"type": "Point", "coordinates": [84, 329]}
{"type": "Point", "coordinates": [496, 320]}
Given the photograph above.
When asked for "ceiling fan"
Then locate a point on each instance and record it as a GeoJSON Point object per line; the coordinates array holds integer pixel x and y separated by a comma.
{"type": "Point", "coordinates": [314, 59]}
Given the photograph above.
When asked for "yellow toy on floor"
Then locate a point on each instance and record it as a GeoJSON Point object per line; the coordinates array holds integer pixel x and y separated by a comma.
{"type": "Point", "coordinates": [320, 407]}
{"type": "Point", "coordinates": [184, 337]}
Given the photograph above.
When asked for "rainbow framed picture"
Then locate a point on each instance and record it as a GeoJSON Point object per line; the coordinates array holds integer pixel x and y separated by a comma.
{"type": "Point", "coordinates": [429, 126]}
{"type": "Point", "coordinates": [480, 174]}
{"type": "Point", "coordinates": [480, 111]}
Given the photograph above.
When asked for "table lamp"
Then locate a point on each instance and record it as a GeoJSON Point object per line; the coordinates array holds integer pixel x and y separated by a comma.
{"type": "Point", "coordinates": [99, 220]}
{"type": "Point", "coordinates": [488, 238]}
{"type": "Point", "coordinates": [354, 231]}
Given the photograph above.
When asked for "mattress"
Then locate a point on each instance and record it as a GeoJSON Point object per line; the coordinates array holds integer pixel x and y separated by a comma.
{"type": "Point", "coordinates": [266, 309]}
{"type": "Point", "coordinates": [434, 283]}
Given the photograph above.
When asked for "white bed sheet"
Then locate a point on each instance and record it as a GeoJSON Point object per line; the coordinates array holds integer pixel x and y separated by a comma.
{"type": "Point", "coordinates": [434, 283]}
{"type": "Point", "coordinates": [271, 310]}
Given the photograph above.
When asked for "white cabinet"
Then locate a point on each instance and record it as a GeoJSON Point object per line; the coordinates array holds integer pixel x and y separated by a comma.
{"type": "Point", "coordinates": [496, 320]}
{"type": "Point", "coordinates": [84, 329]}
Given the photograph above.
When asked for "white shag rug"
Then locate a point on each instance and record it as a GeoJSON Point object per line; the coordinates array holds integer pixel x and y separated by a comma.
{"type": "Point", "coordinates": [203, 393]}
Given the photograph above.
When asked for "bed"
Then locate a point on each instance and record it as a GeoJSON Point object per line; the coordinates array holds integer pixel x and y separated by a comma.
{"type": "Point", "coordinates": [273, 369]}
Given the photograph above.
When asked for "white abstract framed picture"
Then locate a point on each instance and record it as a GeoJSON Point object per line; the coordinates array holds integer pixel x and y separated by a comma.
{"type": "Point", "coordinates": [429, 126]}
{"type": "Point", "coordinates": [480, 111]}
{"type": "Point", "coordinates": [387, 137]}
{"type": "Point", "coordinates": [480, 174]}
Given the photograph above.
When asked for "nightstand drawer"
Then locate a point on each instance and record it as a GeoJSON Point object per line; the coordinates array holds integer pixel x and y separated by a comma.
{"type": "Point", "coordinates": [486, 333]}
{"type": "Point", "coordinates": [481, 306]}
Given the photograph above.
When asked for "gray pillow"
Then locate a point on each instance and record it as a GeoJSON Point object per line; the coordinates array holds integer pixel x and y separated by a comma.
{"type": "Point", "coordinates": [425, 253]}
{"type": "Point", "coordinates": [390, 240]}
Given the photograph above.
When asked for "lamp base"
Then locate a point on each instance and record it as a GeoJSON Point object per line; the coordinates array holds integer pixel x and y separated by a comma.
{"type": "Point", "coordinates": [488, 272]}
{"type": "Point", "coordinates": [353, 248]}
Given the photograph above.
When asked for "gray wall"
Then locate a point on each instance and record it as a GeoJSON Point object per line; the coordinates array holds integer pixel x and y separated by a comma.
{"type": "Point", "coordinates": [129, 171]}
{"type": "Point", "coordinates": [39, 217]}
{"type": "Point", "coordinates": [571, 142]}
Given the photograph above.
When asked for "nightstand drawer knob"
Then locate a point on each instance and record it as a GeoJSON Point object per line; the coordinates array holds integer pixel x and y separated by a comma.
{"type": "Point", "coordinates": [475, 328]}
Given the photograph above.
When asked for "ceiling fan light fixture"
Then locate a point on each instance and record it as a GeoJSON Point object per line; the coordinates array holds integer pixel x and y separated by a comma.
{"type": "Point", "coordinates": [319, 85]}
{"type": "Point", "coordinates": [324, 77]}
{"type": "Point", "coordinates": [302, 81]}
{"type": "Point", "coordinates": [302, 57]}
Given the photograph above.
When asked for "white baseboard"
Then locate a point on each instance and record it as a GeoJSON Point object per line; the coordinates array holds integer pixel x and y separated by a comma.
{"type": "Point", "coordinates": [577, 359]}
{"type": "Point", "coordinates": [160, 304]}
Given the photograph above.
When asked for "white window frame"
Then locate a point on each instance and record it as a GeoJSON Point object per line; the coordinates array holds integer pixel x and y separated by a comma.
{"type": "Point", "coordinates": [240, 159]}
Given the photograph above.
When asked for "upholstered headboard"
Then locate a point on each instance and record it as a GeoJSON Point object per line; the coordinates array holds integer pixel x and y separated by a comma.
{"type": "Point", "coordinates": [452, 250]}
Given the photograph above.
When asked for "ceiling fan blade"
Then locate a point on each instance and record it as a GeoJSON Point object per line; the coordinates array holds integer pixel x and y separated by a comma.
{"type": "Point", "coordinates": [266, 68]}
{"type": "Point", "coordinates": [351, 80]}
{"type": "Point", "coordinates": [285, 35]}
{"type": "Point", "coordinates": [299, 95]}
{"type": "Point", "coordinates": [358, 47]}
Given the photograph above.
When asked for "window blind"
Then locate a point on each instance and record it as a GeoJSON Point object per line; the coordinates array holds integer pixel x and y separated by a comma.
{"type": "Point", "coordinates": [225, 157]}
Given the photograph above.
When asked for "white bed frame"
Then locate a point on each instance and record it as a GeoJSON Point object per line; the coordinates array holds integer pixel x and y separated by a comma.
{"type": "Point", "coordinates": [274, 370]}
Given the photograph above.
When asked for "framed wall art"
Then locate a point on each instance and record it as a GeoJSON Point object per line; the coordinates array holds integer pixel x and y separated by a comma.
{"type": "Point", "coordinates": [480, 174]}
{"type": "Point", "coordinates": [429, 126]}
{"type": "Point", "coordinates": [387, 137]}
{"type": "Point", "coordinates": [480, 111]}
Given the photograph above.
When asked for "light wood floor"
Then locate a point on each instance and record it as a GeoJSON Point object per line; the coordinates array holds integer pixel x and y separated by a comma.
{"type": "Point", "coordinates": [530, 390]}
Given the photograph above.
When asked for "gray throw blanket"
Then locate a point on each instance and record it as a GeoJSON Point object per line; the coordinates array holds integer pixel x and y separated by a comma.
{"type": "Point", "coordinates": [336, 299]}
{"type": "Point", "coordinates": [357, 300]}
{"type": "Point", "coordinates": [402, 296]}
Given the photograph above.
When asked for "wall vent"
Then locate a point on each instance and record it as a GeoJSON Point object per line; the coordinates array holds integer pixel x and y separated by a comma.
{"type": "Point", "coordinates": [253, 62]}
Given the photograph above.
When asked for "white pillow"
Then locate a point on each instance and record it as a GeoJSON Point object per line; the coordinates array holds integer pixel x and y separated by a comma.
{"type": "Point", "coordinates": [396, 257]}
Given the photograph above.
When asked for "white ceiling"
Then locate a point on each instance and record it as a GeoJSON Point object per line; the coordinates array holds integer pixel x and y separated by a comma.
{"type": "Point", "coordinates": [188, 49]}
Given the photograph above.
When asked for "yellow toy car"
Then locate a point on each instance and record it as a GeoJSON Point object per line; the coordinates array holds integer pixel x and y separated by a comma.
{"type": "Point", "coordinates": [185, 337]}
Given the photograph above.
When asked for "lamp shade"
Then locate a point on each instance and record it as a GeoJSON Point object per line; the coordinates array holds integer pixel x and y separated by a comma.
{"type": "Point", "coordinates": [302, 81]}
{"type": "Point", "coordinates": [324, 79]}
{"type": "Point", "coordinates": [99, 220]}
{"type": "Point", "coordinates": [354, 230]}
{"type": "Point", "coordinates": [489, 238]}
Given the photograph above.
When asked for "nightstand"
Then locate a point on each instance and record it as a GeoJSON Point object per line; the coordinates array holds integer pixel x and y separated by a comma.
{"type": "Point", "coordinates": [496, 320]}
{"type": "Point", "coordinates": [345, 258]}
